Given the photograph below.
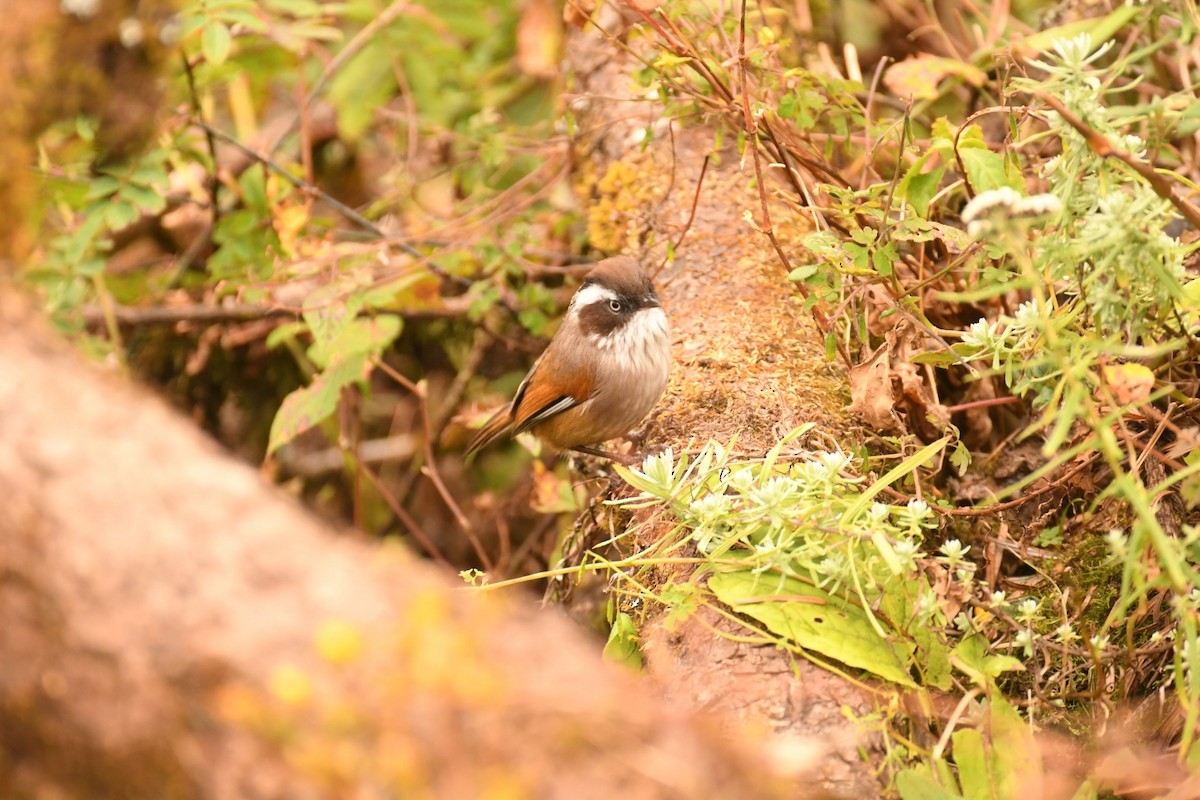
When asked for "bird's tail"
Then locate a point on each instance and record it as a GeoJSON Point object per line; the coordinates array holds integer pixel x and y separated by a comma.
{"type": "Point", "coordinates": [499, 424]}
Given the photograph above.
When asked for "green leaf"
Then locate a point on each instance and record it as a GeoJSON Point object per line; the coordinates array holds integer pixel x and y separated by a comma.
{"type": "Point", "coordinates": [313, 404]}
{"type": "Point", "coordinates": [118, 215]}
{"type": "Point", "coordinates": [102, 186]}
{"type": "Point", "coordinates": [215, 43]}
{"type": "Point", "coordinates": [934, 358]}
{"type": "Point", "coordinates": [364, 336]}
{"type": "Point", "coordinates": [826, 245]}
{"type": "Point", "coordinates": [916, 784]}
{"type": "Point", "coordinates": [146, 199]}
{"type": "Point", "coordinates": [362, 86]}
{"type": "Point", "coordinates": [942, 136]}
{"type": "Point", "coordinates": [1101, 28]}
{"type": "Point", "coordinates": [286, 331]}
{"type": "Point", "coordinates": [788, 106]}
{"type": "Point", "coordinates": [960, 458]}
{"type": "Point", "coordinates": [316, 32]}
{"type": "Point", "coordinates": [901, 594]}
{"type": "Point", "coordinates": [245, 18]}
{"type": "Point", "coordinates": [945, 358]}
{"type": "Point", "coordinates": [803, 273]}
{"type": "Point", "coordinates": [813, 620]}
{"type": "Point", "coordinates": [970, 756]}
{"type": "Point", "coordinates": [921, 77]}
{"type": "Point", "coordinates": [622, 645]}
{"type": "Point", "coordinates": [918, 188]}
{"type": "Point", "coordinates": [682, 600]}
{"type": "Point", "coordinates": [999, 757]}
{"type": "Point", "coordinates": [971, 657]}
{"type": "Point", "coordinates": [296, 8]}
{"type": "Point", "coordinates": [79, 244]}
{"type": "Point", "coordinates": [884, 259]}
{"type": "Point", "coordinates": [90, 267]}
{"type": "Point", "coordinates": [859, 256]}
{"type": "Point", "coordinates": [150, 171]}
{"type": "Point", "coordinates": [987, 170]}
{"type": "Point", "coordinates": [253, 186]}
{"type": "Point", "coordinates": [667, 60]}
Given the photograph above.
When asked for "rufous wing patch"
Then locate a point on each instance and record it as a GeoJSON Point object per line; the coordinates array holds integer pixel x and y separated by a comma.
{"type": "Point", "coordinates": [544, 398]}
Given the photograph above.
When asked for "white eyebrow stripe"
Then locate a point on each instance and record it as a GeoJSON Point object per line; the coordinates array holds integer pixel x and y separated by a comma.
{"type": "Point", "coordinates": [592, 293]}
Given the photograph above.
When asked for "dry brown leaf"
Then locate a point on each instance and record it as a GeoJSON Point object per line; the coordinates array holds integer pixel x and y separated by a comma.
{"type": "Point", "coordinates": [919, 77]}
{"type": "Point", "coordinates": [871, 395]}
{"type": "Point", "coordinates": [924, 415]}
{"type": "Point", "coordinates": [1129, 383]}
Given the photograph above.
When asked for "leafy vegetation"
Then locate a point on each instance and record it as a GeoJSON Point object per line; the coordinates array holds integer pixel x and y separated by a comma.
{"type": "Point", "coordinates": [360, 194]}
{"type": "Point", "coordinates": [1061, 313]}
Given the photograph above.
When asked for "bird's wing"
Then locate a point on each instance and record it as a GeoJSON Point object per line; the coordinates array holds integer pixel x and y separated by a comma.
{"type": "Point", "coordinates": [538, 400]}
{"type": "Point", "coordinates": [546, 412]}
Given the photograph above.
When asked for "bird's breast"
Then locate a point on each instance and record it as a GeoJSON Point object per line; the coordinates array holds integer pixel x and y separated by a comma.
{"type": "Point", "coordinates": [629, 368]}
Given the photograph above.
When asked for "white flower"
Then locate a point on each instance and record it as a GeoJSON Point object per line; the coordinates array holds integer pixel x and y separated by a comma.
{"type": "Point", "coordinates": [1027, 608]}
{"type": "Point", "coordinates": [1027, 315]}
{"type": "Point", "coordinates": [953, 550]}
{"type": "Point", "coordinates": [711, 508]}
{"type": "Point", "coordinates": [660, 469]}
{"type": "Point", "coordinates": [986, 202]}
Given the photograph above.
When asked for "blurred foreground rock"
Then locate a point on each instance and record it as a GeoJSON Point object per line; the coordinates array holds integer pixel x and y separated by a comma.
{"type": "Point", "coordinates": [175, 627]}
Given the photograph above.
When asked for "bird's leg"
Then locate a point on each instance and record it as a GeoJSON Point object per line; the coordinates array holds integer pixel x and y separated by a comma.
{"type": "Point", "coordinates": [623, 460]}
{"type": "Point", "coordinates": [638, 437]}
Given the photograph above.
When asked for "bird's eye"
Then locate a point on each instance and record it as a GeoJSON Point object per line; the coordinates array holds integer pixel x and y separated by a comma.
{"type": "Point", "coordinates": [615, 305]}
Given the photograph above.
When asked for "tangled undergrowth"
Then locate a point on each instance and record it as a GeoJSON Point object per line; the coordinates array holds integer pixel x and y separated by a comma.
{"type": "Point", "coordinates": [1006, 265]}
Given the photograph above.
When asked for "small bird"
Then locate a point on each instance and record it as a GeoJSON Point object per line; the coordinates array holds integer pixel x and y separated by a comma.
{"type": "Point", "coordinates": [604, 370]}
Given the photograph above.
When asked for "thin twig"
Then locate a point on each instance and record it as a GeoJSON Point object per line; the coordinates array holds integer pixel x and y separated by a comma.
{"type": "Point", "coordinates": [214, 183]}
{"type": "Point", "coordinates": [215, 313]}
{"type": "Point", "coordinates": [453, 395]}
{"type": "Point", "coordinates": [682, 47]}
{"type": "Point", "coordinates": [691, 216]}
{"type": "Point", "coordinates": [929, 331]}
{"type": "Point", "coordinates": [977, 511]}
{"type": "Point", "coordinates": [985, 403]}
{"type": "Point", "coordinates": [301, 184]}
{"type": "Point", "coordinates": [429, 468]}
{"type": "Point", "coordinates": [395, 375]}
{"type": "Point", "coordinates": [349, 417]}
{"type": "Point", "coordinates": [190, 255]}
{"type": "Point", "coordinates": [405, 518]}
{"type": "Point", "coordinates": [332, 459]}
{"type": "Point", "coordinates": [430, 471]}
{"type": "Point", "coordinates": [360, 40]}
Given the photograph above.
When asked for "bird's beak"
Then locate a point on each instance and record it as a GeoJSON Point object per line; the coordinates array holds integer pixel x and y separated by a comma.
{"type": "Point", "coordinates": [650, 301]}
